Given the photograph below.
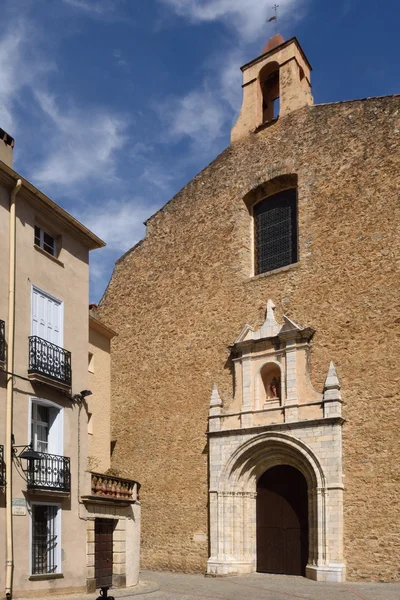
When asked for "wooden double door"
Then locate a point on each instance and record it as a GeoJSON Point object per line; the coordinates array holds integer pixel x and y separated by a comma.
{"type": "Point", "coordinates": [103, 552]}
{"type": "Point", "coordinates": [282, 521]}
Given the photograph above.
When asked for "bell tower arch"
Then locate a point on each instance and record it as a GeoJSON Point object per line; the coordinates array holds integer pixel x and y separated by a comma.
{"type": "Point", "coordinates": [274, 84]}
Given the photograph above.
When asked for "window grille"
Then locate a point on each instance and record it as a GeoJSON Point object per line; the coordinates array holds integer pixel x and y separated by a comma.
{"type": "Point", "coordinates": [49, 472]}
{"type": "Point", "coordinates": [2, 467]}
{"type": "Point", "coordinates": [44, 539]}
{"type": "Point", "coordinates": [275, 220]}
{"type": "Point", "coordinates": [2, 341]}
{"type": "Point", "coordinates": [49, 360]}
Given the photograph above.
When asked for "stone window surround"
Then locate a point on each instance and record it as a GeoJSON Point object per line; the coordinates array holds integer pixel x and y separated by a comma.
{"type": "Point", "coordinates": [240, 451]}
{"type": "Point", "coordinates": [233, 498]}
{"type": "Point", "coordinates": [278, 182]}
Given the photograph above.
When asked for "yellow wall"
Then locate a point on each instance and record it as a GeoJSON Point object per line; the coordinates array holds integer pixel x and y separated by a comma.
{"type": "Point", "coordinates": [99, 402]}
{"type": "Point", "coordinates": [67, 280]}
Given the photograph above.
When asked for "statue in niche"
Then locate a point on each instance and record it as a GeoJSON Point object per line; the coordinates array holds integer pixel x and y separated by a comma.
{"type": "Point", "coordinates": [271, 379]}
{"type": "Point", "coordinates": [274, 388]}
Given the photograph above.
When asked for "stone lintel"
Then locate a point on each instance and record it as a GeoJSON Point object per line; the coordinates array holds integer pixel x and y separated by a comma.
{"type": "Point", "coordinates": [279, 426]}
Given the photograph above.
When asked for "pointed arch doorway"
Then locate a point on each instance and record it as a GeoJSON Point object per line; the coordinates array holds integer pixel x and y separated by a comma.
{"type": "Point", "coordinates": [282, 521]}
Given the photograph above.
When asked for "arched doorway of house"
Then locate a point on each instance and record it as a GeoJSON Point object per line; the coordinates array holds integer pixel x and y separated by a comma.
{"type": "Point", "coordinates": [282, 521]}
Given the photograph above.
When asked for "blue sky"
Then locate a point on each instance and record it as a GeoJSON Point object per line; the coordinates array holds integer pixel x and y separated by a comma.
{"type": "Point", "coordinates": [116, 104]}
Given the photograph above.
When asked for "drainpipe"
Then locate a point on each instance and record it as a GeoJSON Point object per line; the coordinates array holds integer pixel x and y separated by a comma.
{"type": "Point", "coordinates": [10, 390]}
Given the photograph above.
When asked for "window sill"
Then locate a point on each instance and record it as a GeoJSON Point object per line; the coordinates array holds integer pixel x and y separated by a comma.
{"type": "Point", "coordinates": [275, 271]}
{"type": "Point", "coordinates": [53, 258]}
{"type": "Point", "coordinates": [45, 577]}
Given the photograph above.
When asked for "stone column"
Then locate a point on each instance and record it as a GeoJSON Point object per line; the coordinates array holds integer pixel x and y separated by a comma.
{"type": "Point", "coordinates": [247, 389]}
{"type": "Point", "coordinates": [90, 552]}
{"type": "Point", "coordinates": [133, 545]}
{"type": "Point", "coordinates": [213, 515]}
{"type": "Point", "coordinates": [119, 554]}
{"type": "Point", "coordinates": [238, 526]}
{"type": "Point", "coordinates": [312, 533]}
{"type": "Point", "coordinates": [321, 524]}
{"type": "Point", "coordinates": [291, 412]}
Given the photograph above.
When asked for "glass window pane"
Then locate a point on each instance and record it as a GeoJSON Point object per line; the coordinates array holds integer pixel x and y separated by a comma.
{"type": "Point", "coordinates": [49, 243]}
{"type": "Point", "coordinates": [42, 413]}
{"type": "Point", "coordinates": [37, 235]}
{"type": "Point", "coordinates": [275, 220]}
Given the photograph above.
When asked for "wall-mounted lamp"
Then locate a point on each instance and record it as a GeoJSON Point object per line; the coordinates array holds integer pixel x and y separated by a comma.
{"type": "Point", "coordinates": [27, 452]}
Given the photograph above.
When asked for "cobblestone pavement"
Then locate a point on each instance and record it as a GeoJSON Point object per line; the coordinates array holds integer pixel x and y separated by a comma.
{"type": "Point", "coordinates": [173, 586]}
{"type": "Point", "coordinates": [262, 587]}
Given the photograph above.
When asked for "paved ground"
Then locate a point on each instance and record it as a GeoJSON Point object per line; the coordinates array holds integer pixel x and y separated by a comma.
{"type": "Point", "coordinates": [172, 586]}
{"type": "Point", "coordinates": [263, 587]}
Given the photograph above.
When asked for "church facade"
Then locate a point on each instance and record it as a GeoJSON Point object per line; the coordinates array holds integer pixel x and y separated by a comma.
{"type": "Point", "coordinates": [254, 374]}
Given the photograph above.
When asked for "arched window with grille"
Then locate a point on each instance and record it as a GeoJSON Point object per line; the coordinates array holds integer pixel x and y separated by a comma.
{"type": "Point", "coordinates": [275, 231]}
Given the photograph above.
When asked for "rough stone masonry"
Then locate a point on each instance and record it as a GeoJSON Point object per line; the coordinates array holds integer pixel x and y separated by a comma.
{"type": "Point", "coordinates": [179, 299]}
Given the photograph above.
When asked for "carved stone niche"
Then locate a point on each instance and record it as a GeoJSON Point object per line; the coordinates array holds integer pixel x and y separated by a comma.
{"type": "Point", "coordinates": [271, 382]}
{"type": "Point", "coordinates": [272, 373]}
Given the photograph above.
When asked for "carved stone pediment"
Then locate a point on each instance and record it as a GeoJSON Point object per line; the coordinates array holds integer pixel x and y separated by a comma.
{"type": "Point", "coordinates": [272, 380]}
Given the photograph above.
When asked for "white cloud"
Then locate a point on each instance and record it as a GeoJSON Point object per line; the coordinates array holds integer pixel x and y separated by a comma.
{"type": "Point", "coordinates": [206, 113]}
{"type": "Point", "coordinates": [80, 143]}
{"type": "Point", "coordinates": [200, 115]}
{"type": "Point", "coordinates": [94, 7]}
{"type": "Point", "coordinates": [118, 223]}
{"type": "Point", "coordinates": [120, 61]}
{"type": "Point", "coordinates": [230, 78]}
{"type": "Point", "coordinates": [9, 59]}
{"type": "Point", "coordinates": [248, 17]}
{"type": "Point", "coordinates": [83, 143]}
{"type": "Point", "coordinates": [21, 67]}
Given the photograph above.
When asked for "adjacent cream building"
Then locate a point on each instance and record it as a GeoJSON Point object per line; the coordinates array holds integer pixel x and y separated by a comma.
{"type": "Point", "coordinates": [113, 506]}
{"type": "Point", "coordinates": [53, 513]}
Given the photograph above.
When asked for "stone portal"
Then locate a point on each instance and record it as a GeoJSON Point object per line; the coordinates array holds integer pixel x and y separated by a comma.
{"type": "Point", "coordinates": [294, 431]}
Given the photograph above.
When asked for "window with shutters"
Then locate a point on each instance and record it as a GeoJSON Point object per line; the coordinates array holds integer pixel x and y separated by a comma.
{"type": "Point", "coordinates": [46, 433]}
{"type": "Point", "coordinates": [275, 231]}
{"type": "Point", "coordinates": [40, 427]}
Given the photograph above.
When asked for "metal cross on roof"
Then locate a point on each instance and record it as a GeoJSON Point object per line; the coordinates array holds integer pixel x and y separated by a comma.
{"type": "Point", "coordinates": [275, 17]}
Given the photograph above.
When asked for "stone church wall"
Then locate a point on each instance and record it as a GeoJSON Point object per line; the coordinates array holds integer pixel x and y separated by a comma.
{"type": "Point", "coordinates": [179, 299]}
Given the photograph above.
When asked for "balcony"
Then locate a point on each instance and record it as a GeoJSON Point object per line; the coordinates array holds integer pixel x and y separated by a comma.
{"type": "Point", "coordinates": [2, 467]}
{"type": "Point", "coordinates": [49, 363]}
{"type": "Point", "coordinates": [108, 488]}
{"type": "Point", "coordinates": [49, 473]}
{"type": "Point", "coordinates": [2, 341]}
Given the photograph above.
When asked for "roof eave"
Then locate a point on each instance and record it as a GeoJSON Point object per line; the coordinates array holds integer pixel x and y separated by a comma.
{"type": "Point", "coordinates": [92, 241]}
{"type": "Point", "coordinates": [262, 56]}
{"type": "Point", "coordinates": [101, 328]}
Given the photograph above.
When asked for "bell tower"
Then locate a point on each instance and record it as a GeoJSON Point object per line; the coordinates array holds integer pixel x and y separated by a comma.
{"type": "Point", "coordinates": [274, 84]}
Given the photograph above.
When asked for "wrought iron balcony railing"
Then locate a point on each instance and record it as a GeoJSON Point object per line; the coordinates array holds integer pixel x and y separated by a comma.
{"type": "Point", "coordinates": [112, 487]}
{"type": "Point", "coordinates": [49, 360]}
{"type": "Point", "coordinates": [2, 467]}
{"type": "Point", "coordinates": [2, 341]}
{"type": "Point", "coordinates": [49, 472]}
